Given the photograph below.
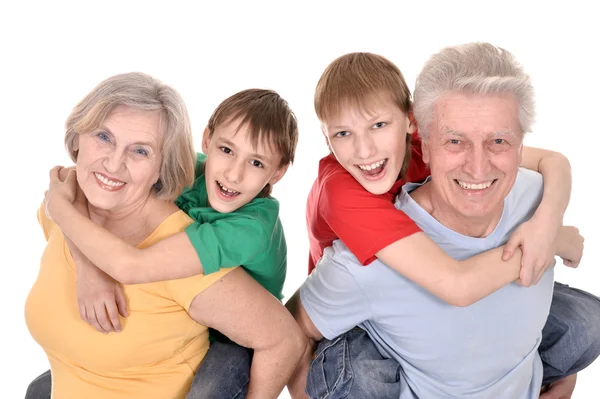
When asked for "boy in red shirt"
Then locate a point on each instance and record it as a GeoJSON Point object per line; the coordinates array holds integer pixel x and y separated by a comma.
{"type": "Point", "coordinates": [365, 108]}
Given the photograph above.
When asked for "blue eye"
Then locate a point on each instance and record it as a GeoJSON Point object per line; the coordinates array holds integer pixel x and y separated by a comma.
{"type": "Point", "coordinates": [226, 150]}
{"type": "Point", "coordinates": [103, 136]}
{"type": "Point", "coordinates": [258, 164]}
{"type": "Point", "coordinates": [342, 134]}
{"type": "Point", "coordinates": [141, 151]}
{"type": "Point", "coordinates": [379, 125]}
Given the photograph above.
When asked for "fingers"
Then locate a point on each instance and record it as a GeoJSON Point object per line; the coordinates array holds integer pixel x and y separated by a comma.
{"type": "Point", "coordinates": [121, 301]}
{"type": "Point", "coordinates": [54, 173]}
{"type": "Point", "coordinates": [113, 316]}
{"type": "Point", "coordinates": [88, 315]}
{"type": "Point", "coordinates": [509, 248]}
{"type": "Point", "coordinates": [102, 318]}
{"type": "Point", "coordinates": [526, 274]}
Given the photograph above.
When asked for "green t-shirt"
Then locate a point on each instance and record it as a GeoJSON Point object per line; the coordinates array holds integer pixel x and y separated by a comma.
{"type": "Point", "coordinates": [252, 236]}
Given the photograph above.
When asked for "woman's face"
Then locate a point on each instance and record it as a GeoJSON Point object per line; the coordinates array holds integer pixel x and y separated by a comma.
{"type": "Point", "coordinates": [119, 162]}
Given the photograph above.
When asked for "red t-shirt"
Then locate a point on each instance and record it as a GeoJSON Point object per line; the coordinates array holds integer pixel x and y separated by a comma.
{"type": "Point", "coordinates": [339, 207]}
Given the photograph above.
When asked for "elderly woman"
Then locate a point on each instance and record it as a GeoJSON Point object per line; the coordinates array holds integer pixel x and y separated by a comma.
{"type": "Point", "coordinates": [136, 129]}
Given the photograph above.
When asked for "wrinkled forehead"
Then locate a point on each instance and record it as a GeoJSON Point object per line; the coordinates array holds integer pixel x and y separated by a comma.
{"type": "Point", "coordinates": [476, 116]}
{"type": "Point", "coordinates": [129, 122]}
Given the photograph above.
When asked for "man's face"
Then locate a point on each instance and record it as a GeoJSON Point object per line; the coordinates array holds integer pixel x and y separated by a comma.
{"type": "Point", "coordinates": [474, 152]}
{"type": "Point", "coordinates": [371, 144]}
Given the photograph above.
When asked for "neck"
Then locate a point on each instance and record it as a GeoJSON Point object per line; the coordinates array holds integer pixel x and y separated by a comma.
{"type": "Point", "coordinates": [442, 211]}
{"type": "Point", "coordinates": [130, 222]}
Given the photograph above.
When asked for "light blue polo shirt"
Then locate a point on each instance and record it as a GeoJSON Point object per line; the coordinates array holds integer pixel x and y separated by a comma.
{"type": "Point", "coordinates": [486, 350]}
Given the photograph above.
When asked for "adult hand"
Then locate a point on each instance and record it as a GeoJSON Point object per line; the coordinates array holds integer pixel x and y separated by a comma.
{"type": "Point", "coordinates": [62, 188]}
{"type": "Point", "coordinates": [561, 389]}
{"type": "Point", "coordinates": [569, 246]}
{"type": "Point", "coordinates": [537, 239]}
{"type": "Point", "coordinates": [100, 298]}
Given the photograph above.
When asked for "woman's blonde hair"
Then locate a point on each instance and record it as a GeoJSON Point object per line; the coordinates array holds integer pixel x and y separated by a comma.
{"type": "Point", "coordinates": [141, 92]}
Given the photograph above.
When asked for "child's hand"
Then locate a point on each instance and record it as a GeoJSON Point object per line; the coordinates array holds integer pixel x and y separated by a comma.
{"type": "Point", "coordinates": [537, 239]}
{"type": "Point", "coordinates": [569, 246]}
{"type": "Point", "coordinates": [61, 191]}
{"type": "Point", "coordinates": [100, 298]}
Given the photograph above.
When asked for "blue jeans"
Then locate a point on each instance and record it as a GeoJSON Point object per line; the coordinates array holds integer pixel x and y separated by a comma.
{"type": "Point", "coordinates": [223, 374]}
{"type": "Point", "coordinates": [350, 366]}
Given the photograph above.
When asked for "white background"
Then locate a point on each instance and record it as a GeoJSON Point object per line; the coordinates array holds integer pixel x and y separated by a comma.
{"type": "Point", "coordinates": [53, 53]}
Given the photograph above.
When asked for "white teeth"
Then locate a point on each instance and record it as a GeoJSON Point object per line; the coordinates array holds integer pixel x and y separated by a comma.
{"type": "Point", "coordinates": [108, 182]}
{"type": "Point", "coordinates": [473, 186]}
{"type": "Point", "coordinates": [374, 165]}
{"type": "Point", "coordinates": [227, 189]}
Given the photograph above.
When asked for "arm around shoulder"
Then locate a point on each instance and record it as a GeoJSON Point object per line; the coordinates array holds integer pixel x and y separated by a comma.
{"type": "Point", "coordinates": [459, 283]}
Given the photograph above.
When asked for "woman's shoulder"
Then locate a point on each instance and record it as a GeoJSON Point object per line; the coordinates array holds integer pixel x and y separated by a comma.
{"type": "Point", "coordinates": [164, 221]}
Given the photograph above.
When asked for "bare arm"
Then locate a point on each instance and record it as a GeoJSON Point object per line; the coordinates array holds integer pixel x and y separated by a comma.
{"type": "Point", "coordinates": [124, 262]}
{"type": "Point", "coordinates": [253, 318]}
{"type": "Point", "coordinates": [460, 283]}
{"type": "Point", "coordinates": [538, 236]}
{"type": "Point", "coordinates": [465, 282]}
{"type": "Point", "coordinates": [297, 384]}
{"type": "Point", "coordinates": [556, 170]}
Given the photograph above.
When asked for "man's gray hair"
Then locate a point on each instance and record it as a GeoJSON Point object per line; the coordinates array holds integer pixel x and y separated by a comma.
{"type": "Point", "coordinates": [476, 68]}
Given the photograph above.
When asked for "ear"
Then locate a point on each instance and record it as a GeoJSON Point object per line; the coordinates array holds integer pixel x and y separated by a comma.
{"type": "Point", "coordinates": [521, 154]}
{"type": "Point", "coordinates": [412, 123]}
{"type": "Point", "coordinates": [279, 174]}
{"type": "Point", "coordinates": [425, 151]}
{"type": "Point", "coordinates": [205, 140]}
{"type": "Point", "coordinates": [326, 138]}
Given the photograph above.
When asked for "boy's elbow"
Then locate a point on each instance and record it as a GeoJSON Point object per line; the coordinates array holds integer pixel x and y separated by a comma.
{"type": "Point", "coordinates": [461, 300]}
{"type": "Point", "coordinates": [461, 296]}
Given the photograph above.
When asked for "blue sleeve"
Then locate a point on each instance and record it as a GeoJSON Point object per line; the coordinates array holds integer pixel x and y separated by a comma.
{"type": "Point", "coordinates": [333, 299]}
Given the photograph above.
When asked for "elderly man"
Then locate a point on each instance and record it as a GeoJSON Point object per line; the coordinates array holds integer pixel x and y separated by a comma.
{"type": "Point", "coordinates": [473, 104]}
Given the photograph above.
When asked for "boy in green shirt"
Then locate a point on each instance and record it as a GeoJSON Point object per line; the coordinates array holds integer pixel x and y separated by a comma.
{"type": "Point", "coordinates": [249, 142]}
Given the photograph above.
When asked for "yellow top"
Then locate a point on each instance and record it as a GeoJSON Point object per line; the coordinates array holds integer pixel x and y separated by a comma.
{"type": "Point", "coordinates": [158, 350]}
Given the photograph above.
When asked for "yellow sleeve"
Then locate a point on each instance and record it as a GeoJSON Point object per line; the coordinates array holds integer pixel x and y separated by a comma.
{"type": "Point", "coordinates": [44, 221]}
{"type": "Point", "coordinates": [184, 290]}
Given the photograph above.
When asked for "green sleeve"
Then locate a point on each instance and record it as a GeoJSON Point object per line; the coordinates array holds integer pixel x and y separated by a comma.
{"type": "Point", "coordinates": [228, 242]}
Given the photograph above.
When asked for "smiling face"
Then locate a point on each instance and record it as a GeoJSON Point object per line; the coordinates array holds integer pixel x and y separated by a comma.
{"type": "Point", "coordinates": [474, 151]}
{"type": "Point", "coordinates": [370, 145]}
{"type": "Point", "coordinates": [235, 170]}
{"type": "Point", "coordinates": [119, 162]}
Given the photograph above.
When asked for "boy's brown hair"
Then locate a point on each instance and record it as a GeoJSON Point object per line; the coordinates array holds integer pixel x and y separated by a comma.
{"type": "Point", "coordinates": [361, 80]}
{"type": "Point", "coordinates": [269, 119]}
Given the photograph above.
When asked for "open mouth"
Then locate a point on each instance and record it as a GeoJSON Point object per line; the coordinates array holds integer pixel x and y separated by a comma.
{"type": "Point", "coordinates": [226, 191]}
{"type": "Point", "coordinates": [475, 186]}
{"type": "Point", "coordinates": [374, 169]}
{"type": "Point", "coordinates": [107, 183]}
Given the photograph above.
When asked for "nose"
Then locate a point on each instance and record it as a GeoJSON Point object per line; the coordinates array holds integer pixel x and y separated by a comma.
{"type": "Point", "coordinates": [364, 146]}
{"type": "Point", "coordinates": [234, 173]}
{"type": "Point", "coordinates": [477, 162]}
{"type": "Point", "coordinates": [114, 162]}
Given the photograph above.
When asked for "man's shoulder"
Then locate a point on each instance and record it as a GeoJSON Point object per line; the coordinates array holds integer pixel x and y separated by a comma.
{"type": "Point", "coordinates": [528, 188]}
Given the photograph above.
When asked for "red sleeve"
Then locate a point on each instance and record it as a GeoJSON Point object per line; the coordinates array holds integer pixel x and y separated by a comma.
{"type": "Point", "coordinates": [417, 169]}
{"type": "Point", "coordinates": [365, 222]}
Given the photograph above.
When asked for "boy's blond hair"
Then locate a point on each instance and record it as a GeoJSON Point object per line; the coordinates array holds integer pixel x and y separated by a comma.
{"type": "Point", "coordinates": [359, 80]}
{"type": "Point", "coordinates": [269, 119]}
